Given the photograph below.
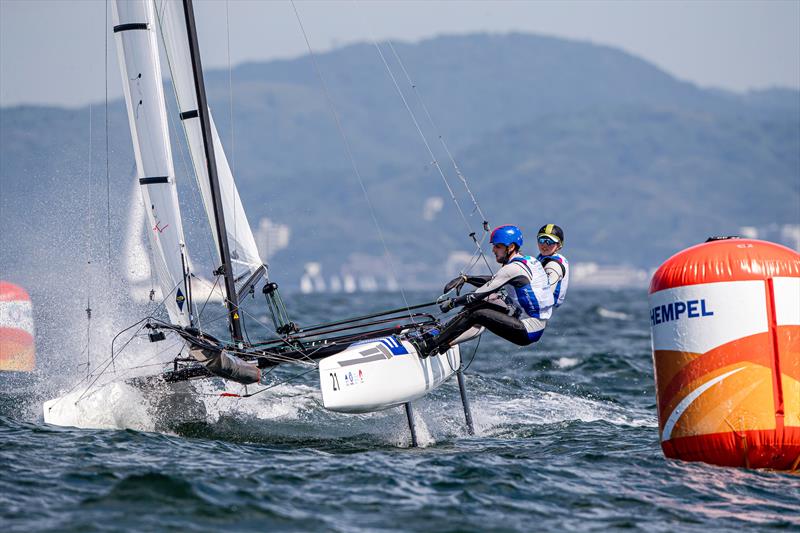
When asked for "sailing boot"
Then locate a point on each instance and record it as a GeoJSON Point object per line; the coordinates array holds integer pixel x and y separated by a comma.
{"type": "Point", "coordinates": [440, 342]}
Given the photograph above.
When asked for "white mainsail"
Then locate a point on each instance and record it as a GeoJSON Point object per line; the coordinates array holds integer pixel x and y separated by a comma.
{"type": "Point", "coordinates": [245, 259]}
{"type": "Point", "coordinates": [134, 28]}
{"type": "Point", "coordinates": [136, 261]}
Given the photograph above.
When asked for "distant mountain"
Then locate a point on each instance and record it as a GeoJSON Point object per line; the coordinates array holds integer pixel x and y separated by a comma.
{"type": "Point", "coordinates": [634, 163]}
{"type": "Point", "coordinates": [635, 185]}
{"type": "Point", "coordinates": [776, 100]}
{"type": "Point", "coordinates": [473, 84]}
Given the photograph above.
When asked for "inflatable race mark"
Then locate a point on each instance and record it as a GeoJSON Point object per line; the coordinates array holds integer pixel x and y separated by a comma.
{"type": "Point", "coordinates": [17, 350]}
{"type": "Point", "coordinates": [725, 323]}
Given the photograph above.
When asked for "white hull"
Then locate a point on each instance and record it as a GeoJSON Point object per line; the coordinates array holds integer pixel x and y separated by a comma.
{"type": "Point", "coordinates": [138, 404]}
{"type": "Point", "coordinates": [381, 373]}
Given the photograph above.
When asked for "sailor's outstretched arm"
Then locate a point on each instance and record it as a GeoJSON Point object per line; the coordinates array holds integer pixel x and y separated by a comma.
{"type": "Point", "coordinates": [457, 283]}
{"type": "Point", "coordinates": [478, 281]}
{"type": "Point", "coordinates": [507, 274]}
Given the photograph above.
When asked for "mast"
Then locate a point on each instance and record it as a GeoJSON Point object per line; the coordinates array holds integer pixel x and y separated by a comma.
{"type": "Point", "coordinates": [232, 299]}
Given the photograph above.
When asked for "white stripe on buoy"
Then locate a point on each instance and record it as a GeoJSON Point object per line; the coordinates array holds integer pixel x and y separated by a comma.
{"type": "Point", "coordinates": [686, 402]}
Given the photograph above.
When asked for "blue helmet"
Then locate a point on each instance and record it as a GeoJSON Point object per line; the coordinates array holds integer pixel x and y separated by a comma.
{"type": "Point", "coordinates": [507, 235]}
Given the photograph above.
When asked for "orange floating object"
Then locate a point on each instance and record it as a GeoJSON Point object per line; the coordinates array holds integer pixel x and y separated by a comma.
{"type": "Point", "coordinates": [725, 323]}
{"type": "Point", "coordinates": [17, 348]}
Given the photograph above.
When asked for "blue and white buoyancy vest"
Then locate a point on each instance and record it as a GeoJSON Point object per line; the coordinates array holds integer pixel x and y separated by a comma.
{"type": "Point", "coordinates": [527, 294]}
{"type": "Point", "coordinates": [560, 288]}
{"type": "Point", "coordinates": [531, 296]}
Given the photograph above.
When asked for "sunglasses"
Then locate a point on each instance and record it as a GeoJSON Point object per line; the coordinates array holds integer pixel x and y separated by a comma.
{"type": "Point", "coordinates": [547, 241]}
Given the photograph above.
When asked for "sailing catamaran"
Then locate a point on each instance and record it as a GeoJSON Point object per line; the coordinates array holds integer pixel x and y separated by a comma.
{"type": "Point", "coordinates": [365, 364]}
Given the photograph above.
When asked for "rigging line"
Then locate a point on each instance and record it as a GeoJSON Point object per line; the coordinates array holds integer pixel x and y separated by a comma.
{"type": "Point", "coordinates": [100, 371]}
{"type": "Point", "coordinates": [477, 255]}
{"type": "Point", "coordinates": [111, 358]}
{"type": "Point", "coordinates": [108, 172]}
{"type": "Point", "coordinates": [473, 262]}
{"type": "Point", "coordinates": [424, 137]}
{"type": "Point", "coordinates": [130, 370]}
{"type": "Point", "coordinates": [350, 155]}
{"type": "Point", "coordinates": [87, 272]}
{"type": "Point", "coordinates": [139, 367]}
{"type": "Point", "coordinates": [281, 359]}
{"type": "Point", "coordinates": [446, 148]}
{"type": "Point", "coordinates": [232, 350]}
{"type": "Point", "coordinates": [88, 337]}
{"type": "Point", "coordinates": [246, 334]}
{"type": "Point", "coordinates": [208, 298]}
{"type": "Point", "coordinates": [127, 372]}
{"type": "Point", "coordinates": [434, 160]}
{"type": "Point", "coordinates": [284, 338]}
{"type": "Point", "coordinates": [216, 319]}
{"type": "Point", "coordinates": [436, 130]}
{"type": "Point", "coordinates": [474, 351]}
{"type": "Point", "coordinates": [246, 314]}
{"type": "Point", "coordinates": [277, 356]}
{"type": "Point", "coordinates": [206, 283]}
{"type": "Point", "coordinates": [283, 382]}
{"type": "Point", "coordinates": [246, 395]}
{"type": "Point", "coordinates": [164, 299]}
{"type": "Point", "coordinates": [113, 354]}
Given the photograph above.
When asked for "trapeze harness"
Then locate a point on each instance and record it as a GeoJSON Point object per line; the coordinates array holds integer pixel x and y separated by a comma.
{"type": "Point", "coordinates": [557, 269]}
{"type": "Point", "coordinates": [514, 304]}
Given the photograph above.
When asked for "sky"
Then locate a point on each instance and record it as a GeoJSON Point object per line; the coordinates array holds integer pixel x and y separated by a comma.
{"type": "Point", "coordinates": [53, 52]}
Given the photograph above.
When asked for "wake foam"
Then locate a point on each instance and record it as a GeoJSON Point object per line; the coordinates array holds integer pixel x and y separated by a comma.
{"type": "Point", "coordinates": [286, 413]}
{"type": "Point", "coordinates": [291, 412]}
{"type": "Point", "coordinates": [567, 362]}
{"type": "Point", "coordinates": [115, 406]}
{"type": "Point", "coordinates": [552, 407]}
{"type": "Point", "coordinates": [614, 315]}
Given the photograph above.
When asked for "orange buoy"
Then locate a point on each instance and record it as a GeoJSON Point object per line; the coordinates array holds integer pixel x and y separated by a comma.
{"type": "Point", "coordinates": [17, 348]}
{"type": "Point", "coordinates": [725, 324]}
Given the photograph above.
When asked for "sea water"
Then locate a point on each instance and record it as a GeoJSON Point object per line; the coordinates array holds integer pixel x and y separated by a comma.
{"type": "Point", "coordinates": [567, 439]}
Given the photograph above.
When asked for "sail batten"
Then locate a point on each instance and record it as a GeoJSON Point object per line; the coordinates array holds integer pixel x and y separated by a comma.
{"type": "Point", "coordinates": [144, 98]}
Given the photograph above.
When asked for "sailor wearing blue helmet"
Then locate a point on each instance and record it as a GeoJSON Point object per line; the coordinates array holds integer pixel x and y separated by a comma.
{"type": "Point", "coordinates": [514, 304]}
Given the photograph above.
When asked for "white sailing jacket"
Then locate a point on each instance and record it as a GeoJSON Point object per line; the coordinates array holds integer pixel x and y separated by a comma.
{"type": "Point", "coordinates": [556, 267]}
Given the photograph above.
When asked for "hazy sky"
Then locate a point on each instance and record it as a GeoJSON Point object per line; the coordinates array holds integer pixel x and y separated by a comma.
{"type": "Point", "coordinates": [52, 51]}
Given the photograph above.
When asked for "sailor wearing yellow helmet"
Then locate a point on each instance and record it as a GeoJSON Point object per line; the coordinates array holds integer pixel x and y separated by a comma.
{"type": "Point", "coordinates": [550, 240]}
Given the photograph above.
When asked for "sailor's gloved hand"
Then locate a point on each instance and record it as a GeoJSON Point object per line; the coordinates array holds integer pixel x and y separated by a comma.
{"type": "Point", "coordinates": [446, 305]}
{"type": "Point", "coordinates": [455, 283]}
